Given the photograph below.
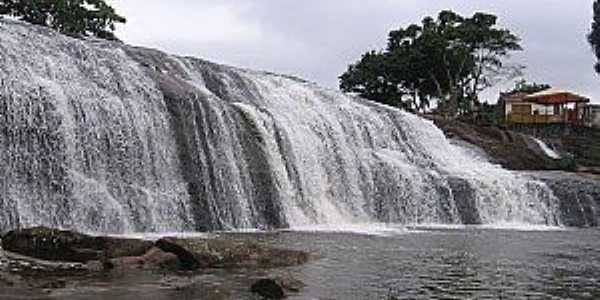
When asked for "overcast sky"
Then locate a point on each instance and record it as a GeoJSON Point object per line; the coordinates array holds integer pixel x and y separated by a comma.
{"type": "Point", "coordinates": [317, 39]}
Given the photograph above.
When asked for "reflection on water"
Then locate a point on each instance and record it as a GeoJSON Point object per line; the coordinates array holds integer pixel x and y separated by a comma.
{"type": "Point", "coordinates": [467, 263]}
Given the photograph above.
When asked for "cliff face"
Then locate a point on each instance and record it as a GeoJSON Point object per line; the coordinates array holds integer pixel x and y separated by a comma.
{"type": "Point", "coordinates": [582, 143]}
{"type": "Point", "coordinates": [511, 149]}
{"type": "Point", "coordinates": [579, 197]}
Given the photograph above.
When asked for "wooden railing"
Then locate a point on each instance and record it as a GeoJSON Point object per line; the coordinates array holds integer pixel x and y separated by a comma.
{"type": "Point", "coordinates": [536, 119]}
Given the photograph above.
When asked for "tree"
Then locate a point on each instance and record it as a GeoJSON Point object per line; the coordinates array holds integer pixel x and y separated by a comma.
{"type": "Point", "coordinates": [594, 36]}
{"type": "Point", "coordinates": [72, 17]}
{"type": "Point", "coordinates": [450, 59]}
{"type": "Point", "coordinates": [524, 86]}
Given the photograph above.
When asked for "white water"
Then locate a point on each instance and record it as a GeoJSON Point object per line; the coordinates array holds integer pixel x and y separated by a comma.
{"type": "Point", "coordinates": [86, 141]}
{"type": "Point", "coordinates": [107, 138]}
{"type": "Point", "coordinates": [547, 150]}
{"type": "Point", "coordinates": [497, 226]}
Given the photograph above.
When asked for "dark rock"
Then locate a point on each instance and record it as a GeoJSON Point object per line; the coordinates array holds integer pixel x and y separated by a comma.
{"type": "Point", "coordinates": [120, 247]}
{"type": "Point", "coordinates": [466, 201]}
{"type": "Point", "coordinates": [157, 258]}
{"type": "Point", "coordinates": [188, 260]}
{"type": "Point", "coordinates": [277, 287]}
{"type": "Point", "coordinates": [68, 246]}
{"type": "Point", "coordinates": [219, 253]}
{"type": "Point", "coordinates": [268, 288]}
{"type": "Point", "coordinates": [512, 150]}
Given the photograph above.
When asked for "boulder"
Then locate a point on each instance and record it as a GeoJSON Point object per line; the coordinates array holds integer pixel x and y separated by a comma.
{"type": "Point", "coordinates": [268, 288]}
{"type": "Point", "coordinates": [187, 259]}
{"type": "Point", "coordinates": [69, 246]}
{"type": "Point", "coordinates": [276, 288]}
{"type": "Point", "coordinates": [221, 253]}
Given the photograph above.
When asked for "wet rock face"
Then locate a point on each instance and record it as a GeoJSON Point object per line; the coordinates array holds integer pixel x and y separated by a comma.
{"type": "Point", "coordinates": [466, 201]}
{"type": "Point", "coordinates": [512, 150]}
{"type": "Point", "coordinates": [579, 198]}
{"type": "Point", "coordinates": [68, 246]}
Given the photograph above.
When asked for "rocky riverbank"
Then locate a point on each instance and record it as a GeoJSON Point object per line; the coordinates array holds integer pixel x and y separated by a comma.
{"type": "Point", "coordinates": [515, 148]}
{"type": "Point", "coordinates": [44, 259]}
{"type": "Point", "coordinates": [511, 149]}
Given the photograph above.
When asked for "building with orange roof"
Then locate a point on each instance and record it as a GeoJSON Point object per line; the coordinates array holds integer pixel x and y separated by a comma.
{"type": "Point", "coordinates": [551, 106]}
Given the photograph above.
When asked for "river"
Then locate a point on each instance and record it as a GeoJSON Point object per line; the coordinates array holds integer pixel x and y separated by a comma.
{"type": "Point", "coordinates": [387, 263]}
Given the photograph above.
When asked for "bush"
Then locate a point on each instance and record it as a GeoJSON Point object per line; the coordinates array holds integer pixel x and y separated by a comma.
{"type": "Point", "coordinates": [567, 163]}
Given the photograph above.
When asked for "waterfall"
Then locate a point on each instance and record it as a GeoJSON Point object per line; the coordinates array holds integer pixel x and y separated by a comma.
{"type": "Point", "coordinates": [104, 137]}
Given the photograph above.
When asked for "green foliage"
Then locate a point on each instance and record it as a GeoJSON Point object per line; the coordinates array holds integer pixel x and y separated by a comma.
{"type": "Point", "coordinates": [450, 59]}
{"type": "Point", "coordinates": [72, 17]}
{"type": "Point", "coordinates": [524, 86]}
{"type": "Point", "coordinates": [567, 163]}
{"type": "Point", "coordinates": [489, 114]}
{"type": "Point", "coordinates": [594, 36]}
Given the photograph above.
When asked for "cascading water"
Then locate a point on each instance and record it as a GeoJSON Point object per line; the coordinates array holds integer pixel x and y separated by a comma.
{"type": "Point", "coordinates": [100, 136]}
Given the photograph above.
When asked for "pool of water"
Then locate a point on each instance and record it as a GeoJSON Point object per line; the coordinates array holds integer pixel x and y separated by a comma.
{"type": "Point", "coordinates": [427, 262]}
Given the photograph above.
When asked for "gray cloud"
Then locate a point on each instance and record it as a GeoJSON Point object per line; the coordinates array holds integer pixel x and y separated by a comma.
{"type": "Point", "coordinates": [317, 39]}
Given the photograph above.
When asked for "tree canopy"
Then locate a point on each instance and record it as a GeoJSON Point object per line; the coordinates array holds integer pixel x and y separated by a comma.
{"type": "Point", "coordinates": [450, 59]}
{"type": "Point", "coordinates": [72, 17]}
{"type": "Point", "coordinates": [594, 36]}
{"type": "Point", "coordinates": [527, 87]}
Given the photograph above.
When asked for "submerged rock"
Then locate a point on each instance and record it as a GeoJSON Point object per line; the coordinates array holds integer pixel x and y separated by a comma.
{"type": "Point", "coordinates": [220, 253]}
{"type": "Point", "coordinates": [268, 288]}
{"type": "Point", "coordinates": [69, 246]}
{"type": "Point", "coordinates": [276, 288]}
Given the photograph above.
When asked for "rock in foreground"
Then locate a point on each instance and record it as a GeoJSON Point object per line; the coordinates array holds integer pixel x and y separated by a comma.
{"type": "Point", "coordinates": [218, 253]}
{"type": "Point", "coordinates": [106, 253]}
{"type": "Point", "coordinates": [276, 288]}
{"type": "Point", "coordinates": [68, 246]}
